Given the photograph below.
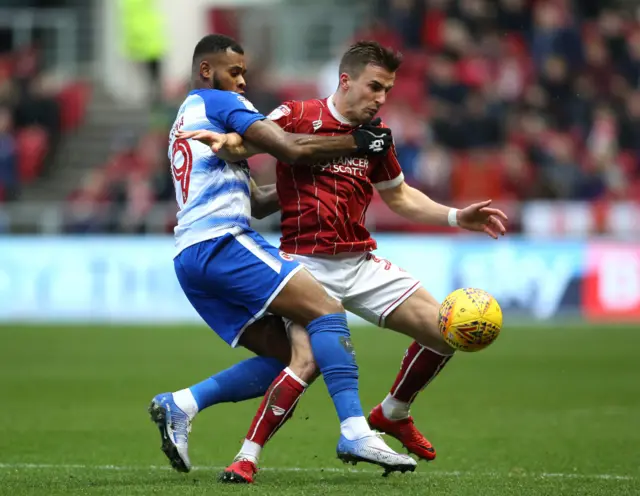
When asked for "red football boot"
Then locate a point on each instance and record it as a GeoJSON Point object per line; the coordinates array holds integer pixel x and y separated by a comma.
{"type": "Point", "coordinates": [404, 431]}
{"type": "Point", "coordinates": [239, 472]}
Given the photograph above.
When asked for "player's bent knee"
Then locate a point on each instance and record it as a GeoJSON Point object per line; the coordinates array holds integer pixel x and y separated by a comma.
{"type": "Point", "coordinates": [302, 362]}
{"type": "Point", "coordinates": [330, 306]}
{"type": "Point", "coordinates": [304, 367]}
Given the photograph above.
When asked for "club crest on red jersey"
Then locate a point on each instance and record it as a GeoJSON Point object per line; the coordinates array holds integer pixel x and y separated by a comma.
{"type": "Point", "coordinates": [278, 113]}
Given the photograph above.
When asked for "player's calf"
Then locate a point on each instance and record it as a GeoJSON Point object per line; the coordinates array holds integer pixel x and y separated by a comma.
{"type": "Point", "coordinates": [305, 301]}
{"type": "Point", "coordinates": [276, 408]}
{"type": "Point", "coordinates": [419, 367]}
{"type": "Point", "coordinates": [423, 361]}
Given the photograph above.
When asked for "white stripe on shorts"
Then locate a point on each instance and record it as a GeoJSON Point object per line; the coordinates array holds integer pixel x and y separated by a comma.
{"type": "Point", "coordinates": [259, 252]}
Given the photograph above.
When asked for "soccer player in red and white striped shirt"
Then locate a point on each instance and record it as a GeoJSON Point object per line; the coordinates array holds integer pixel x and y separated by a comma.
{"type": "Point", "coordinates": [323, 215]}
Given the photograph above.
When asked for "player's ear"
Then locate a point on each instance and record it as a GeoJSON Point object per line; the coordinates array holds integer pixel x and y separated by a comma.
{"type": "Point", "coordinates": [206, 71]}
{"type": "Point", "coordinates": [345, 81]}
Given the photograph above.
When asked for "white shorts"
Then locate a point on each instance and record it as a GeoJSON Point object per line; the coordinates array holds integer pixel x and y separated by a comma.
{"type": "Point", "coordinates": [366, 285]}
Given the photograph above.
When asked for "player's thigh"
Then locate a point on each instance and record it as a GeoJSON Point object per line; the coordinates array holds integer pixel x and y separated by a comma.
{"type": "Point", "coordinates": [389, 297]}
{"type": "Point", "coordinates": [330, 271]}
{"type": "Point", "coordinates": [232, 280]}
{"type": "Point", "coordinates": [268, 337]}
{"type": "Point", "coordinates": [225, 319]}
{"type": "Point", "coordinates": [417, 317]}
{"type": "Point", "coordinates": [303, 299]}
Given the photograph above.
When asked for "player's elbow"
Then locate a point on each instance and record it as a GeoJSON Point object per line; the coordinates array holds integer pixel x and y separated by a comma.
{"type": "Point", "coordinates": [294, 154]}
{"type": "Point", "coordinates": [296, 150]}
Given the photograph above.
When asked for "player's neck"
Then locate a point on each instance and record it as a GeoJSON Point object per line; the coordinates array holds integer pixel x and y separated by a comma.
{"type": "Point", "coordinates": [339, 109]}
{"type": "Point", "coordinates": [200, 85]}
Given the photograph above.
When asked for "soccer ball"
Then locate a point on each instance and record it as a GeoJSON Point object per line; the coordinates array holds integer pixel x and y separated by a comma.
{"type": "Point", "coordinates": [470, 319]}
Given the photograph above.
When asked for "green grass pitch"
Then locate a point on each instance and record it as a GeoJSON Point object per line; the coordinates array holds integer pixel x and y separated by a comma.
{"type": "Point", "coordinates": [544, 411]}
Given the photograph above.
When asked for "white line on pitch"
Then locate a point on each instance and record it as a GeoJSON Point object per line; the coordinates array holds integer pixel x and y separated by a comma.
{"type": "Point", "coordinates": [430, 473]}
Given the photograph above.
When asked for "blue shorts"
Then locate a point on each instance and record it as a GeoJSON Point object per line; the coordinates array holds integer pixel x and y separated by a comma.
{"type": "Point", "coordinates": [231, 280]}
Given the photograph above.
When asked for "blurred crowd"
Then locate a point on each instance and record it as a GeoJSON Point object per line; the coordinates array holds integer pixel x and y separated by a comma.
{"type": "Point", "coordinates": [30, 120]}
{"type": "Point", "coordinates": [505, 99]}
{"type": "Point", "coordinates": [516, 99]}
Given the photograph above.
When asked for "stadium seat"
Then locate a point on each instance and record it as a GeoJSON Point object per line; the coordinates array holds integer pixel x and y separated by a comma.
{"type": "Point", "coordinates": [32, 145]}
{"type": "Point", "coordinates": [73, 100]}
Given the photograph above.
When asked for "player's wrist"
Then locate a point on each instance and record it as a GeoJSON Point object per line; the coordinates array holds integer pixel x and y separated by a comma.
{"type": "Point", "coordinates": [453, 217]}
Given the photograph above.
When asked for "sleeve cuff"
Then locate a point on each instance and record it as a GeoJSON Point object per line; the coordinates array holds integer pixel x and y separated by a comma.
{"type": "Point", "coordinates": [391, 183]}
{"type": "Point", "coordinates": [246, 124]}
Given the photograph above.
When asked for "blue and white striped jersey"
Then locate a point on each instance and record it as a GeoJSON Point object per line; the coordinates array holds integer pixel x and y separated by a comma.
{"type": "Point", "coordinates": [213, 195]}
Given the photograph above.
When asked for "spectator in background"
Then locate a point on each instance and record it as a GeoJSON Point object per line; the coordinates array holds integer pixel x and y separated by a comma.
{"type": "Point", "coordinates": [598, 66]}
{"type": "Point", "coordinates": [38, 106]}
{"type": "Point", "coordinates": [559, 91]}
{"type": "Point", "coordinates": [8, 159]}
{"type": "Point", "coordinates": [8, 90]}
{"type": "Point", "coordinates": [144, 38]}
{"type": "Point", "coordinates": [552, 35]}
{"type": "Point", "coordinates": [604, 175]}
{"type": "Point", "coordinates": [456, 39]}
{"type": "Point", "coordinates": [514, 16]}
{"type": "Point", "coordinates": [443, 83]}
{"type": "Point", "coordinates": [409, 133]}
{"type": "Point", "coordinates": [562, 175]}
{"type": "Point", "coordinates": [631, 70]}
{"type": "Point", "coordinates": [611, 28]}
{"type": "Point", "coordinates": [582, 104]}
{"type": "Point", "coordinates": [604, 132]}
{"type": "Point", "coordinates": [405, 18]}
{"type": "Point", "coordinates": [88, 210]}
{"type": "Point", "coordinates": [433, 172]}
{"type": "Point", "coordinates": [629, 131]}
{"type": "Point", "coordinates": [475, 15]}
{"type": "Point", "coordinates": [478, 129]}
{"type": "Point", "coordinates": [511, 73]}
{"type": "Point", "coordinates": [519, 178]}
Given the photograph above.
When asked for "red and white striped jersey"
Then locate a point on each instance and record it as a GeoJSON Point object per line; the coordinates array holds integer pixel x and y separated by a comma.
{"type": "Point", "coordinates": [324, 204]}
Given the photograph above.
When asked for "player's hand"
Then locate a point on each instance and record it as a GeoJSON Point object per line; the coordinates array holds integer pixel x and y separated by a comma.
{"type": "Point", "coordinates": [480, 217]}
{"type": "Point", "coordinates": [213, 140]}
{"type": "Point", "coordinates": [372, 139]}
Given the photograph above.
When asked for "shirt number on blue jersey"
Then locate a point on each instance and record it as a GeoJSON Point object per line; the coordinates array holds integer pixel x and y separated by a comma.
{"type": "Point", "coordinates": [181, 164]}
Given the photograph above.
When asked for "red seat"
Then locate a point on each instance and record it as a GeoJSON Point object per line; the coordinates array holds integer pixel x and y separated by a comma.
{"type": "Point", "coordinates": [73, 99]}
{"type": "Point", "coordinates": [32, 145]}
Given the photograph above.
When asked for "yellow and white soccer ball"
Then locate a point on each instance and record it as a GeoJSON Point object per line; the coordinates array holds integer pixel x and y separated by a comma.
{"type": "Point", "coordinates": [470, 319]}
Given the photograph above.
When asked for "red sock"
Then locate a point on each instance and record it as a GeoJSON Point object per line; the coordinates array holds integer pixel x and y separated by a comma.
{"type": "Point", "coordinates": [277, 406]}
{"type": "Point", "coordinates": [419, 367]}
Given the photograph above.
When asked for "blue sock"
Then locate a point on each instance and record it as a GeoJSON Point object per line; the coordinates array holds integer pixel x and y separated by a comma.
{"type": "Point", "coordinates": [333, 352]}
{"type": "Point", "coordinates": [243, 381]}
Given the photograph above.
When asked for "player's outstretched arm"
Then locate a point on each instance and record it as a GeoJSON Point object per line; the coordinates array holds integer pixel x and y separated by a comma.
{"type": "Point", "coordinates": [265, 136]}
{"type": "Point", "coordinates": [296, 148]}
{"type": "Point", "coordinates": [414, 205]}
{"type": "Point", "coordinates": [230, 147]}
{"type": "Point", "coordinates": [264, 200]}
